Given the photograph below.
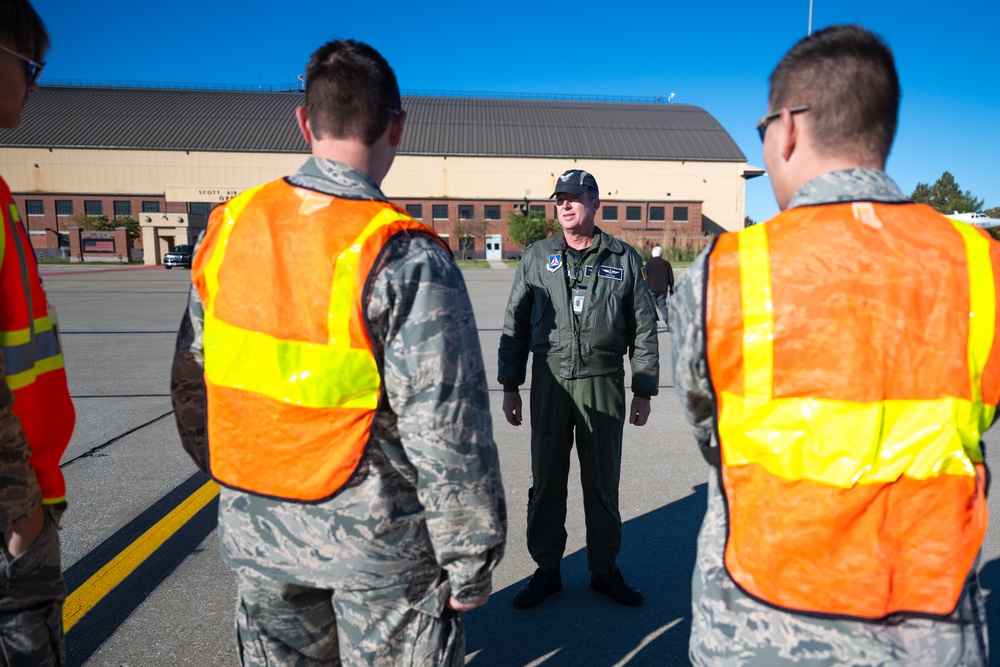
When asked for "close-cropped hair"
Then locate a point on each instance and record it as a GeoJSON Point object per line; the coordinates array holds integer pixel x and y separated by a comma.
{"type": "Point", "coordinates": [847, 76]}
{"type": "Point", "coordinates": [351, 92]}
{"type": "Point", "coordinates": [22, 28]}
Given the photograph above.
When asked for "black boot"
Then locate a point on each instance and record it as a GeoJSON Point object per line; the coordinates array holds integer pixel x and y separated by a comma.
{"type": "Point", "coordinates": [542, 585]}
{"type": "Point", "coordinates": [613, 585]}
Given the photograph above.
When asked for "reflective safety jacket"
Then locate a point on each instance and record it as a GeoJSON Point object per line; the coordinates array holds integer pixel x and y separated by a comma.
{"type": "Point", "coordinates": [29, 341]}
{"type": "Point", "coordinates": [290, 369]}
{"type": "Point", "coordinates": [853, 349]}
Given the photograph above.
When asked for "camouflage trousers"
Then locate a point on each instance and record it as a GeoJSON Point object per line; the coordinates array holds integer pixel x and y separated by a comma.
{"type": "Point", "coordinates": [284, 625]}
{"type": "Point", "coordinates": [32, 592]}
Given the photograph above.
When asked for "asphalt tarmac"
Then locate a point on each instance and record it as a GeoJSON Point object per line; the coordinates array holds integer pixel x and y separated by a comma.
{"type": "Point", "coordinates": [140, 549]}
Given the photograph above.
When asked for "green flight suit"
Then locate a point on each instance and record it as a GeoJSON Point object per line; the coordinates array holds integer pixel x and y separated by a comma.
{"type": "Point", "coordinates": [578, 381]}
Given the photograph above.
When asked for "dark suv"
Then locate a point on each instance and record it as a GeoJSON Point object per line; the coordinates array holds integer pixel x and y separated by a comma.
{"type": "Point", "coordinates": [179, 256]}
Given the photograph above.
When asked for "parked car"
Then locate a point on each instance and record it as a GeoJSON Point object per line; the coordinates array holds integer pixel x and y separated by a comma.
{"type": "Point", "coordinates": [179, 256]}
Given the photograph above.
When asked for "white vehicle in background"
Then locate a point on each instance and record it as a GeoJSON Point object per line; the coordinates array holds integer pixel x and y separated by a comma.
{"type": "Point", "coordinates": [977, 219]}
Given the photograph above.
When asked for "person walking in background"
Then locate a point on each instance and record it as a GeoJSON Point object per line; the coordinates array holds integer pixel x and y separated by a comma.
{"type": "Point", "coordinates": [839, 365]}
{"type": "Point", "coordinates": [36, 411]}
{"type": "Point", "coordinates": [660, 276]}
{"type": "Point", "coordinates": [579, 304]}
{"type": "Point", "coordinates": [328, 374]}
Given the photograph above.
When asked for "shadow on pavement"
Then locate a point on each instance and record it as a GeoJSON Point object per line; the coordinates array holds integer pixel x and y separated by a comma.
{"type": "Point", "coordinates": [579, 627]}
{"type": "Point", "coordinates": [989, 579]}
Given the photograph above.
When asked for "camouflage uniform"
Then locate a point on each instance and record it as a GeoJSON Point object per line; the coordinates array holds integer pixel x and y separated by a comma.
{"type": "Point", "coordinates": [730, 628]}
{"type": "Point", "coordinates": [367, 575]}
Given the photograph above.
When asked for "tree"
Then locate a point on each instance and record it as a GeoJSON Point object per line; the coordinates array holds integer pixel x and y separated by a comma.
{"type": "Point", "coordinates": [465, 232]}
{"type": "Point", "coordinates": [525, 229]}
{"type": "Point", "coordinates": [946, 197]}
{"type": "Point", "coordinates": [100, 223]}
{"type": "Point", "coordinates": [993, 212]}
{"type": "Point", "coordinates": [748, 221]}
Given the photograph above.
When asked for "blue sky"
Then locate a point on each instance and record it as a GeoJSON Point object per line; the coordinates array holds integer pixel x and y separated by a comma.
{"type": "Point", "coordinates": [715, 54]}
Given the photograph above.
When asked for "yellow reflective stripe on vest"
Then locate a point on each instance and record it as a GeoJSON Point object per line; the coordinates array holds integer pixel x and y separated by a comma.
{"type": "Point", "coordinates": [232, 211]}
{"type": "Point", "coordinates": [342, 292]}
{"type": "Point", "coordinates": [294, 372]}
{"type": "Point", "coordinates": [758, 318]}
{"type": "Point", "coordinates": [843, 443]}
{"type": "Point", "coordinates": [22, 336]}
{"type": "Point", "coordinates": [21, 380]}
{"type": "Point", "coordinates": [982, 306]}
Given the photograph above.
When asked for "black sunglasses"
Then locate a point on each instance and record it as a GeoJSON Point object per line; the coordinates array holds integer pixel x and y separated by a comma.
{"type": "Point", "coordinates": [31, 68]}
{"type": "Point", "coordinates": [766, 120]}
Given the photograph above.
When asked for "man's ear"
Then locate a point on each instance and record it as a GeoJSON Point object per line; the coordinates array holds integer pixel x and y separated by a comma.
{"type": "Point", "coordinates": [396, 128]}
{"type": "Point", "coordinates": [788, 137]}
{"type": "Point", "coordinates": [302, 118]}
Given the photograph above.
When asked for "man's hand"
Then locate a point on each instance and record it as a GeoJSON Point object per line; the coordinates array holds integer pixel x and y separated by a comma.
{"type": "Point", "coordinates": [469, 606]}
{"type": "Point", "coordinates": [512, 407]}
{"type": "Point", "coordinates": [22, 535]}
{"type": "Point", "coordinates": [638, 413]}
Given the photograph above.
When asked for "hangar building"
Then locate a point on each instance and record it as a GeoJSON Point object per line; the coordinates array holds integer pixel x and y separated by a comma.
{"type": "Point", "coordinates": [166, 156]}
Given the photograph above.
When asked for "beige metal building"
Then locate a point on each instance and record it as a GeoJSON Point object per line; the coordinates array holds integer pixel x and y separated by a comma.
{"type": "Point", "coordinates": [165, 157]}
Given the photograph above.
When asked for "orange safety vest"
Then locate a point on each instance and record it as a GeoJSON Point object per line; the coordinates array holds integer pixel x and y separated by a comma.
{"type": "Point", "coordinates": [853, 349]}
{"type": "Point", "coordinates": [290, 369]}
{"type": "Point", "coordinates": [29, 341]}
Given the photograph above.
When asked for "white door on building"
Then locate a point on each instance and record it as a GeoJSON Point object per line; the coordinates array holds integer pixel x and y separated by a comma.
{"type": "Point", "coordinates": [493, 247]}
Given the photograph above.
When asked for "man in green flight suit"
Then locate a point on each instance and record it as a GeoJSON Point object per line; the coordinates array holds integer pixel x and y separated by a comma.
{"type": "Point", "coordinates": [579, 303]}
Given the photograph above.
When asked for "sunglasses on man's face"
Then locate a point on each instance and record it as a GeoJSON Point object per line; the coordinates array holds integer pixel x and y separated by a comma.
{"type": "Point", "coordinates": [768, 119]}
{"type": "Point", "coordinates": [32, 69]}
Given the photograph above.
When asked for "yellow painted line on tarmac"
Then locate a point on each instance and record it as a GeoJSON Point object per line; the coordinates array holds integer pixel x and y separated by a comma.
{"type": "Point", "coordinates": [104, 580]}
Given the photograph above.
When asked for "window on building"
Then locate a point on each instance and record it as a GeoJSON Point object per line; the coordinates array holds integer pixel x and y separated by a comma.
{"type": "Point", "coordinates": [416, 211]}
{"type": "Point", "coordinates": [610, 213]}
{"type": "Point", "coordinates": [123, 209]}
{"type": "Point", "coordinates": [440, 211]}
{"type": "Point", "coordinates": [150, 207]}
{"type": "Point", "coordinates": [537, 208]}
{"type": "Point", "coordinates": [656, 214]}
{"type": "Point", "coordinates": [680, 213]}
{"type": "Point", "coordinates": [34, 207]}
{"type": "Point", "coordinates": [633, 213]}
{"type": "Point", "coordinates": [64, 207]}
{"type": "Point", "coordinates": [491, 212]}
{"type": "Point", "coordinates": [93, 207]}
{"type": "Point", "coordinates": [466, 211]}
{"type": "Point", "coordinates": [200, 207]}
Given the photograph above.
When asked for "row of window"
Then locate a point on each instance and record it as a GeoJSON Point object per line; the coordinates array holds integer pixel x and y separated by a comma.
{"type": "Point", "coordinates": [122, 209]}
{"type": "Point", "coordinates": [634, 213]}
{"type": "Point", "coordinates": [492, 212]}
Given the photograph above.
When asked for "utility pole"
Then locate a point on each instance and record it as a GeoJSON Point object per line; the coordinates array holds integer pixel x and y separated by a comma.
{"type": "Point", "coordinates": [810, 17]}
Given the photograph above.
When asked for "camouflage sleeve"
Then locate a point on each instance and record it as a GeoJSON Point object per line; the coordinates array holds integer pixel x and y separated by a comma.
{"type": "Point", "coordinates": [689, 357]}
{"type": "Point", "coordinates": [515, 339]}
{"type": "Point", "coordinates": [435, 383]}
{"type": "Point", "coordinates": [19, 490]}
{"type": "Point", "coordinates": [187, 383]}
{"type": "Point", "coordinates": [644, 347]}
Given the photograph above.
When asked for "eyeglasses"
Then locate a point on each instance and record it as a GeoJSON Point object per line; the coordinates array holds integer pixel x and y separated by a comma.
{"type": "Point", "coordinates": [766, 120]}
{"type": "Point", "coordinates": [32, 69]}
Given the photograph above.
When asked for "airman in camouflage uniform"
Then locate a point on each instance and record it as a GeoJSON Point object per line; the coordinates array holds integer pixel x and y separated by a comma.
{"type": "Point", "coordinates": [380, 574]}
{"type": "Point", "coordinates": [32, 590]}
{"type": "Point", "coordinates": [730, 628]}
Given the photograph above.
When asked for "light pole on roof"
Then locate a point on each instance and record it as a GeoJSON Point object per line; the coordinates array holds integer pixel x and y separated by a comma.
{"type": "Point", "coordinates": [810, 17]}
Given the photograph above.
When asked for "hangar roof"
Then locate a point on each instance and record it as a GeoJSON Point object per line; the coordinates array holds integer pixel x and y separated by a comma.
{"type": "Point", "coordinates": [242, 121]}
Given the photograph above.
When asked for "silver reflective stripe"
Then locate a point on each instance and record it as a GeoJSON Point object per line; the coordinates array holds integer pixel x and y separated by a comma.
{"type": "Point", "coordinates": [21, 358]}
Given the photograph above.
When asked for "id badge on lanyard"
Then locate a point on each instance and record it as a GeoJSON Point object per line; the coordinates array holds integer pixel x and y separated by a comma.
{"type": "Point", "coordinates": [579, 296]}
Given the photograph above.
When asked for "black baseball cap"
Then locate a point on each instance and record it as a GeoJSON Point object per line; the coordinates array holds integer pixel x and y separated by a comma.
{"type": "Point", "coordinates": [575, 182]}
